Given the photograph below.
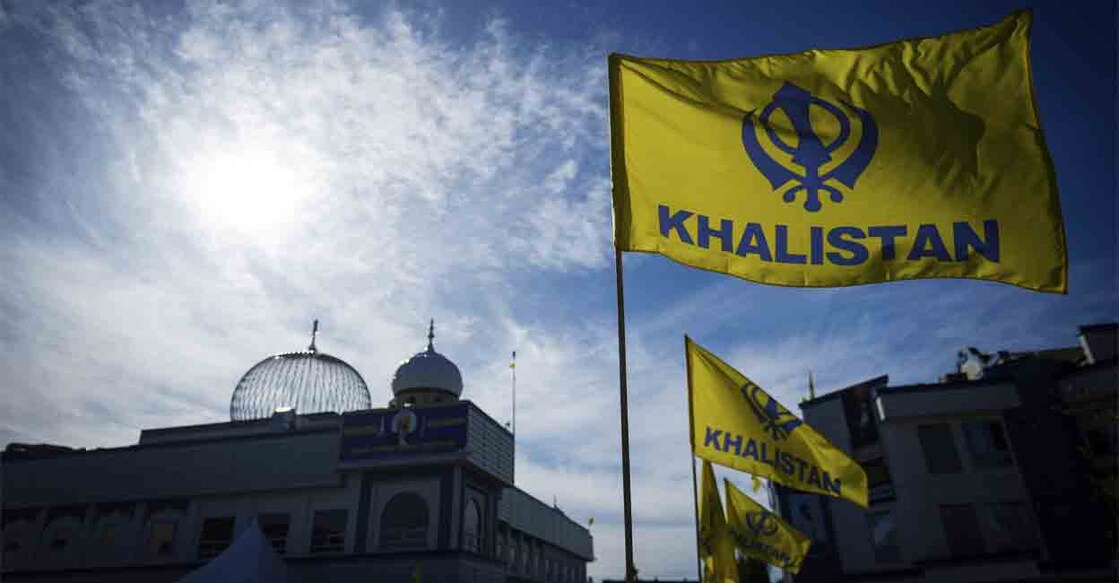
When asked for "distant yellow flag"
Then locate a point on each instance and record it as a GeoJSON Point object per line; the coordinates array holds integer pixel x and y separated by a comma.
{"type": "Point", "coordinates": [738, 425]}
{"type": "Point", "coordinates": [760, 534]}
{"type": "Point", "coordinates": [716, 549]}
{"type": "Point", "coordinates": [920, 158]}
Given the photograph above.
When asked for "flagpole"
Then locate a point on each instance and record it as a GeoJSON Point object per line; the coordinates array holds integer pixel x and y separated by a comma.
{"type": "Point", "coordinates": [691, 457]}
{"type": "Point", "coordinates": [631, 569]}
{"type": "Point", "coordinates": [514, 367]}
{"type": "Point", "coordinates": [513, 427]}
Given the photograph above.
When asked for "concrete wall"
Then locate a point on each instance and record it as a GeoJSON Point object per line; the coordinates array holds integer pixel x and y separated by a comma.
{"type": "Point", "coordinates": [267, 462]}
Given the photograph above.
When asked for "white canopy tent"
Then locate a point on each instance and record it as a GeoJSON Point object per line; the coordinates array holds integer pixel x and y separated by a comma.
{"type": "Point", "coordinates": [250, 559]}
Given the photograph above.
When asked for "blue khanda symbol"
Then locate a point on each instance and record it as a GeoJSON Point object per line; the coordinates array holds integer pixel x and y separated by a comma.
{"type": "Point", "coordinates": [811, 152]}
{"type": "Point", "coordinates": [762, 523]}
{"type": "Point", "coordinates": [776, 420]}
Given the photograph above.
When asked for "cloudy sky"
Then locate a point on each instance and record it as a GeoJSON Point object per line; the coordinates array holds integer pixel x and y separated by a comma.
{"type": "Point", "coordinates": [184, 186]}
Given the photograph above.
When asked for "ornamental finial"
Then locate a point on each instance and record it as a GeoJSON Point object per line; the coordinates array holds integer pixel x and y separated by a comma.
{"type": "Point", "coordinates": [431, 336]}
{"type": "Point", "coordinates": [314, 333]}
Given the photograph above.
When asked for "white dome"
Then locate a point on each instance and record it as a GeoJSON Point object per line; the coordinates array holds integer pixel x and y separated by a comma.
{"type": "Point", "coordinates": [428, 370]}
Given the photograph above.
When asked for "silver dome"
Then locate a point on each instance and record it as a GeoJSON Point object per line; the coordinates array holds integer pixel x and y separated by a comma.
{"type": "Point", "coordinates": [428, 370]}
{"type": "Point", "coordinates": [309, 382]}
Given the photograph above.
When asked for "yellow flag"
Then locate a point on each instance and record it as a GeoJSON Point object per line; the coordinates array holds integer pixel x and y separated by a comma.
{"type": "Point", "coordinates": [716, 549]}
{"type": "Point", "coordinates": [737, 424]}
{"type": "Point", "coordinates": [915, 159]}
{"type": "Point", "coordinates": [760, 534]}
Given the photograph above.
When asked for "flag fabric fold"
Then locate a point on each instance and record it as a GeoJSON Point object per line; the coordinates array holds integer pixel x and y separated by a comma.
{"type": "Point", "coordinates": [760, 534]}
{"type": "Point", "coordinates": [716, 549]}
{"type": "Point", "coordinates": [922, 158]}
{"type": "Point", "coordinates": [738, 425]}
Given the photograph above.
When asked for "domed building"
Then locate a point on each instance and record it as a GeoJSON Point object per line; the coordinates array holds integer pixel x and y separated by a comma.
{"type": "Point", "coordinates": [307, 382]}
{"type": "Point", "coordinates": [427, 378]}
{"type": "Point", "coordinates": [306, 476]}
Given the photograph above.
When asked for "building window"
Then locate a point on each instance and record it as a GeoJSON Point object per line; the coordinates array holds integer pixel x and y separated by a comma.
{"type": "Point", "coordinates": [987, 443]}
{"type": "Point", "coordinates": [939, 448]}
{"type": "Point", "coordinates": [161, 539]}
{"type": "Point", "coordinates": [216, 535]}
{"type": "Point", "coordinates": [109, 535]}
{"type": "Point", "coordinates": [471, 527]}
{"type": "Point", "coordinates": [878, 480]}
{"type": "Point", "coordinates": [60, 539]}
{"type": "Point", "coordinates": [14, 533]}
{"type": "Point", "coordinates": [328, 531]}
{"type": "Point", "coordinates": [275, 528]}
{"type": "Point", "coordinates": [884, 537]}
{"type": "Point", "coordinates": [961, 528]}
{"type": "Point", "coordinates": [1010, 527]}
{"type": "Point", "coordinates": [404, 522]}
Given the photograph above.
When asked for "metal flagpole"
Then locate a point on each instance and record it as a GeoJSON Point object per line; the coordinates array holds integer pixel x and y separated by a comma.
{"type": "Point", "coordinates": [691, 457]}
{"type": "Point", "coordinates": [631, 569]}
{"type": "Point", "coordinates": [513, 366]}
{"type": "Point", "coordinates": [513, 423]}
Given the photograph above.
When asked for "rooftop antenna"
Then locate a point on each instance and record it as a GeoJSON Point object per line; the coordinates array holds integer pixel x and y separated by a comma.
{"type": "Point", "coordinates": [811, 387]}
{"type": "Point", "coordinates": [314, 333]}
{"type": "Point", "coordinates": [431, 336]}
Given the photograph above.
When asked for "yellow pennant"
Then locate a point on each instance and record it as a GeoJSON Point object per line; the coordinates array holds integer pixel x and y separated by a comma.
{"type": "Point", "coordinates": [760, 534]}
{"type": "Point", "coordinates": [920, 158]}
{"type": "Point", "coordinates": [716, 548]}
{"type": "Point", "coordinates": [737, 424]}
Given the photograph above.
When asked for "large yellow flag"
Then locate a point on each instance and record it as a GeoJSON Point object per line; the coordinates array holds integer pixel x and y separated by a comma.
{"type": "Point", "coordinates": [716, 549]}
{"type": "Point", "coordinates": [760, 534]}
{"type": "Point", "coordinates": [915, 159]}
{"type": "Point", "coordinates": [737, 424]}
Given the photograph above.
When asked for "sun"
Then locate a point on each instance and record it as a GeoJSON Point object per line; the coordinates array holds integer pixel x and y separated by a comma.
{"type": "Point", "coordinates": [246, 191]}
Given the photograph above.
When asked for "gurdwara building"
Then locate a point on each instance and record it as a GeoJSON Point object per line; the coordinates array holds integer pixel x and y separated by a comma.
{"type": "Point", "coordinates": [420, 490]}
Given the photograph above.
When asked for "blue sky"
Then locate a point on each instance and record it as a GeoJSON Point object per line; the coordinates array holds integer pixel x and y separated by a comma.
{"type": "Point", "coordinates": [184, 186]}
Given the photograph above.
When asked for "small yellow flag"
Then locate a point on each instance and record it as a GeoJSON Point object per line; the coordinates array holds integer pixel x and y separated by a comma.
{"type": "Point", "coordinates": [921, 158]}
{"type": "Point", "coordinates": [716, 549]}
{"type": "Point", "coordinates": [738, 425]}
{"type": "Point", "coordinates": [760, 534]}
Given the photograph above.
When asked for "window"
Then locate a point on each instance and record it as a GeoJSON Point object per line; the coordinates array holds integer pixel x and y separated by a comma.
{"type": "Point", "coordinates": [275, 529]}
{"type": "Point", "coordinates": [1010, 527]}
{"type": "Point", "coordinates": [60, 539]}
{"type": "Point", "coordinates": [878, 480]}
{"type": "Point", "coordinates": [884, 537]}
{"type": "Point", "coordinates": [987, 443]}
{"type": "Point", "coordinates": [961, 528]}
{"type": "Point", "coordinates": [939, 448]}
{"type": "Point", "coordinates": [471, 527]}
{"type": "Point", "coordinates": [404, 522]}
{"type": "Point", "coordinates": [161, 540]}
{"type": "Point", "coordinates": [328, 531]}
{"type": "Point", "coordinates": [110, 534]}
{"type": "Point", "coordinates": [216, 535]}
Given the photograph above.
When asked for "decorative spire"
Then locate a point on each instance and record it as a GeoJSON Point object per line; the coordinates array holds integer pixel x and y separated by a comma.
{"type": "Point", "coordinates": [314, 333]}
{"type": "Point", "coordinates": [811, 389]}
{"type": "Point", "coordinates": [431, 336]}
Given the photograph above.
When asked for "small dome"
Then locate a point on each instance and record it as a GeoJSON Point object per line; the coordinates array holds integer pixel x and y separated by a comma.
{"type": "Point", "coordinates": [428, 370]}
{"type": "Point", "coordinates": [309, 382]}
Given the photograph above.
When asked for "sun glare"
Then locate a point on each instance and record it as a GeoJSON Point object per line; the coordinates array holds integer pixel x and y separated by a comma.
{"type": "Point", "coordinates": [245, 191]}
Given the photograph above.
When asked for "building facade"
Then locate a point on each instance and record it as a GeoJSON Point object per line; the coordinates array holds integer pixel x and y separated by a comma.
{"type": "Point", "coordinates": [1003, 471]}
{"type": "Point", "coordinates": [420, 489]}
